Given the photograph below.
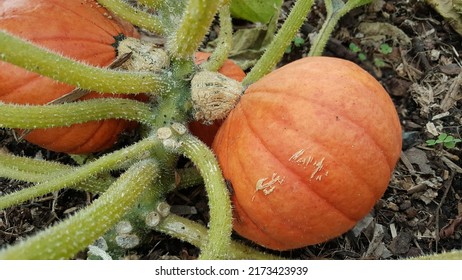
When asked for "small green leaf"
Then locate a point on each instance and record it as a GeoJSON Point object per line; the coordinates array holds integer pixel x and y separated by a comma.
{"type": "Point", "coordinates": [298, 42]}
{"type": "Point", "coordinates": [378, 62]}
{"type": "Point", "coordinates": [448, 139]}
{"type": "Point", "coordinates": [441, 137]}
{"type": "Point", "coordinates": [385, 48]}
{"type": "Point", "coordinates": [354, 48]}
{"type": "Point", "coordinates": [362, 56]}
{"type": "Point", "coordinates": [449, 145]}
{"type": "Point", "coordinates": [255, 10]}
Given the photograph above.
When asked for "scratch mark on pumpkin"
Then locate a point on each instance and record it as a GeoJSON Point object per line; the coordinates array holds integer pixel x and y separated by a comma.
{"type": "Point", "coordinates": [266, 186]}
{"type": "Point", "coordinates": [319, 166]}
{"type": "Point", "coordinates": [298, 158]}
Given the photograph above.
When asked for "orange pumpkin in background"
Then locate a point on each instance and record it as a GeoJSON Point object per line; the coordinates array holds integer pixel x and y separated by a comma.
{"type": "Point", "coordinates": [78, 29]}
{"type": "Point", "coordinates": [206, 132]}
{"type": "Point", "coordinates": [309, 150]}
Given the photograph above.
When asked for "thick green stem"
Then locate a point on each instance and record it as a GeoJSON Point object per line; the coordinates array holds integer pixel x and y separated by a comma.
{"type": "Point", "coordinates": [72, 235]}
{"type": "Point", "coordinates": [188, 177]}
{"type": "Point", "coordinates": [195, 23]}
{"type": "Point", "coordinates": [225, 41]}
{"type": "Point", "coordinates": [82, 173]}
{"type": "Point", "coordinates": [58, 115]}
{"type": "Point", "coordinates": [47, 63]}
{"type": "Point", "coordinates": [133, 15]}
{"type": "Point", "coordinates": [38, 171]}
{"type": "Point", "coordinates": [280, 43]}
{"type": "Point", "coordinates": [31, 165]}
{"type": "Point", "coordinates": [220, 224]}
{"type": "Point", "coordinates": [151, 3]}
{"type": "Point", "coordinates": [196, 234]}
{"type": "Point", "coordinates": [336, 9]}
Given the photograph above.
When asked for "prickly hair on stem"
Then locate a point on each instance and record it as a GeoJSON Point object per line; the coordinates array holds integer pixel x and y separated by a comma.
{"type": "Point", "coordinates": [72, 235]}
{"type": "Point", "coordinates": [194, 25]}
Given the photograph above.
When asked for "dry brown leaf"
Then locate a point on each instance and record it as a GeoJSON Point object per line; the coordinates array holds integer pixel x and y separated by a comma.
{"type": "Point", "coordinates": [419, 157]}
{"type": "Point", "coordinates": [450, 228]}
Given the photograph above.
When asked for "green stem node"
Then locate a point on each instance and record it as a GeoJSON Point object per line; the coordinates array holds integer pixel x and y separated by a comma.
{"type": "Point", "coordinates": [336, 9]}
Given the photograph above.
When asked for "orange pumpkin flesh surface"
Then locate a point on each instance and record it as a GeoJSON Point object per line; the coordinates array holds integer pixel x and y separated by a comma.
{"type": "Point", "coordinates": [205, 132]}
{"type": "Point", "coordinates": [309, 149]}
{"type": "Point", "coordinates": [81, 30]}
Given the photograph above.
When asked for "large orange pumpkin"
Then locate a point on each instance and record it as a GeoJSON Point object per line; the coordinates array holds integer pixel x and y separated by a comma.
{"type": "Point", "coordinates": [308, 150]}
{"type": "Point", "coordinates": [206, 132]}
{"type": "Point", "coordinates": [78, 29]}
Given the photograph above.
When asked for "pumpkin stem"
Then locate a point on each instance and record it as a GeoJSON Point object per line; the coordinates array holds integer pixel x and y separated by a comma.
{"type": "Point", "coordinates": [187, 177]}
{"type": "Point", "coordinates": [151, 3]}
{"type": "Point", "coordinates": [281, 41]}
{"type": "Point", "coordinates": [82, 173]}
{"type": "Point", "coordinates": [225, 41]}
{"type": "Point", "coordinates": [192, 28]}
{"type": "Point", "coordinates": [38, 171]}
{"type": "Point", "coordinates": [336, 9]}
{"type": "Point", "coordinates": [72, 235]}
{"type": "Point", "coordinates": [47, 63]}
{"type": "Point", "coordinates": [220, 224]}
{"type": "Point", "coordinates": [196, 234]}
{"type": "Point", "coordinates": [136, 16]}
{"type": "Point", "coordinates": [151, 209]}
{"type": "Point", "coordinates": [58, 115]}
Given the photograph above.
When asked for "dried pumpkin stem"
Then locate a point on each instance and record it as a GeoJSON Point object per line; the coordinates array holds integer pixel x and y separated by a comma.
{"type": "Point", "coordinates": [133, 15]}
{"type": "Point", "coordinates": [74, 234]}
{"type": "Point", "coordinates": [225, 41]}
{"type": "Point", "coordinates": [47, 63]}
{"type": "Point", "coordinates": [220, 225]}
{"type": "Point", "coordinates": [336, 9]}
{"type": "Point", "coordinates": [58, 115]}
{"type": "Point", "coordinates": [192, 28]}
{"type": "Point", "coordinates": [81, 173]}
{"type": "Point", "coordinates": [196, 234]}
{"type": "Point", "coordinates": [281, 41]}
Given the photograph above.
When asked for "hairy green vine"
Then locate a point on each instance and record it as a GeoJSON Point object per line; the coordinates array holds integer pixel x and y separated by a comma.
{"type": "Point", "coordinates": [57, 67]}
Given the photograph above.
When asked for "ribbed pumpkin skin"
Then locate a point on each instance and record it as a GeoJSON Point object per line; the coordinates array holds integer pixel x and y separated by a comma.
{"type": "Point", "coordinates": [325, 135]}
{"type": "Point", "coordinates": [206, 133]}
{"type": "Point", "coordinates": [78, 29]}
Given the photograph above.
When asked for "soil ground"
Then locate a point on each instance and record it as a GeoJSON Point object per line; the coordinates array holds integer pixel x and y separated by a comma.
{"type": "Point", "coordinates": [415, 54]}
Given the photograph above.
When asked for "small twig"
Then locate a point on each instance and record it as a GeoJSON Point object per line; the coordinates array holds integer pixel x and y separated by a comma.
{"type": "Point", "coordinates": [447, 186]}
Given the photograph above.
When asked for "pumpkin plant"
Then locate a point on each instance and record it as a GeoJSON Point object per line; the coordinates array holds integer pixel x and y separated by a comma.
{"type": "Point", "coordinates": [310, 159]}
{"type": "Point", "coordinates": [84, 33]}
